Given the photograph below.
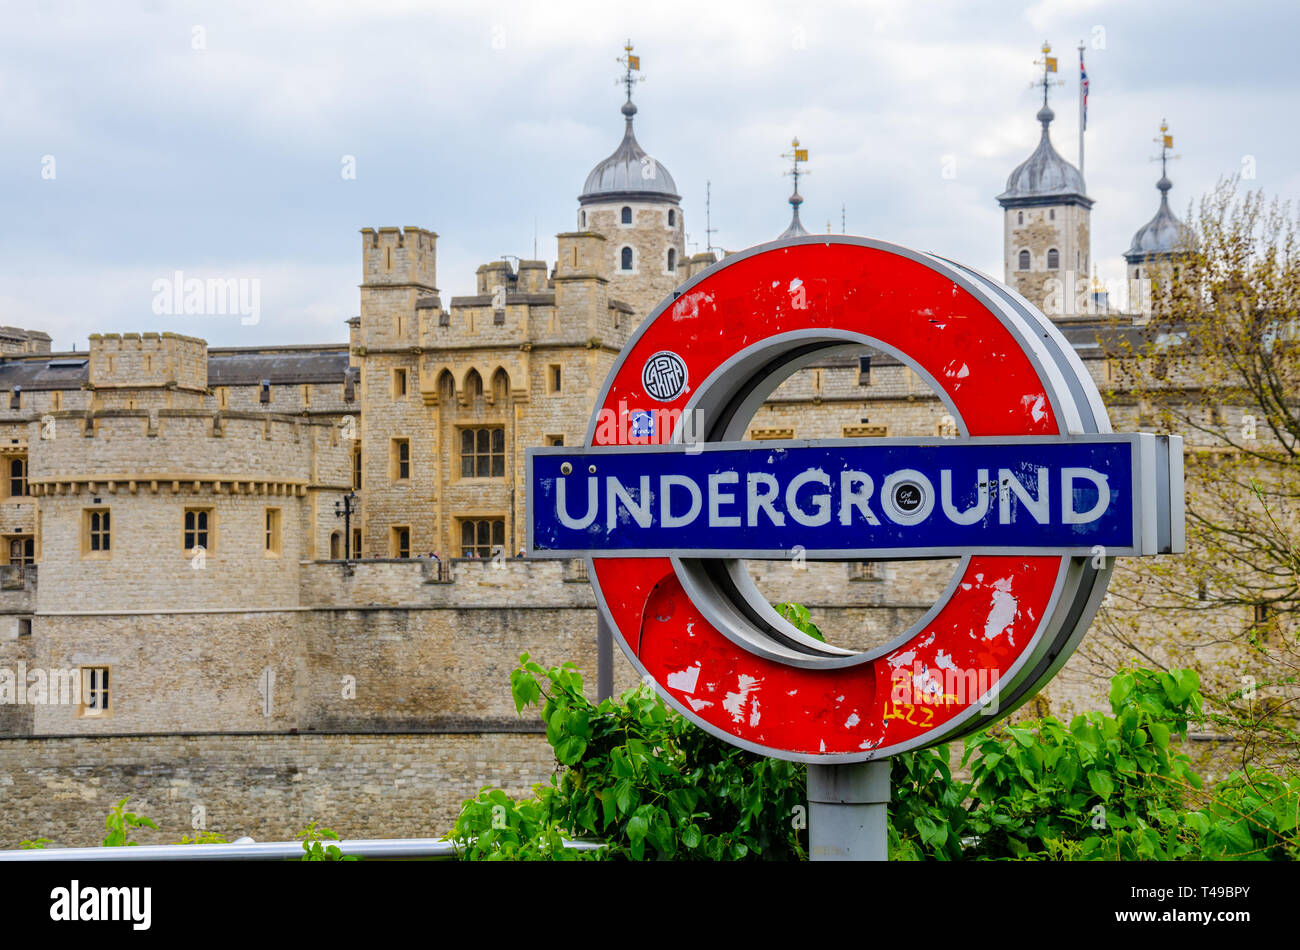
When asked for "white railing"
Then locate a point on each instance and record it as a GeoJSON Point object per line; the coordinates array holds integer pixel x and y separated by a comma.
{"type": "Point", "coordinates": [246, 849]}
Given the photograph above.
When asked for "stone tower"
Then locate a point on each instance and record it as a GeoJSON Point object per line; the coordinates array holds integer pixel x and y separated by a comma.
{"type": "Point", "coordinates": [631, 201]}
{"type": "Point", "coordinates": [1047, 208]}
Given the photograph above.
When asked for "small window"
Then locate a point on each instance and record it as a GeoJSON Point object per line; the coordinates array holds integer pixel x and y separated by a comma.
{"type": "Point", "coordinates": [627, 215]}
{"type": "Point", "coordinates": [555, 440]}
{"type": "Point", "coordinates": [401, 460]}
{"type": "Point", "coordinates": [356, 542]}
{"type": "Point", "coordinates": [1053, 259]}
{"type": "Point", "coordinates": [18, 476]}
{"type": "Point", "coordinates": [336, 545]}
{"type": "Point", "coordinates": [582, 219]}
{"type": "Point", "coordinates": [554, 378]}
{"type": "Point", "coordinates": [401, 541]}
{"type": "Point", "coordinates": [672, 219]}
{"type": "Point", "coordinates": [197, 533]}
{"type": "Point", "coordinates": [24, 626]}
{"type": "Point", "coordinates": [864, 370]}
{"type": "Point", "coordinates": [498, 318]}
{"type": "Point", "coordinates": [672, 259]}
{"type": "Point", "coordinates": [272, 533]}
{"type": "Point", "coordinates": [96, 532]}
{"type": "Point", "coordinates": [399, 383]}
{"type": "Point", "coordinates": [356, 469]}
{"type": "Point", "coordinates": [1261, 613]}
{"type": "Point", "coordinates": [444, 318]}
{"type": "Point", "coordinates": [482, 537]}
{"type": "Point", "coordinates": [1051, 215]}
{"type": "Point", "coordinates": [94, 691]}
{"type": "Point", "coordinates": [266, 391]}
{"type": "Point", "coordinates": [306, 394]}
{"type": "Point", "coordinates": [22, 550]}
{"type": "Point", "coordinates": [1024, 260]}
{"type": "Point", "coordinates": [483, 452]}
{"type": "Point", "coordinates": [56, 400]}
{"type": "Point", "coordinates": [1020, 217]}
{"type": "Point", "coordinates": [626, 259]}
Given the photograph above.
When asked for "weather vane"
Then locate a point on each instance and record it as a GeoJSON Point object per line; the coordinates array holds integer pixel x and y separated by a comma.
{"type": "Point", "coordinates": [630, 65]}
{"type": "Point", "coordinates": [1048, 62]}
{"type": "Point", "coordinates": [1166, 142]}
{"type": "Point", "coordinates": [796, 155]}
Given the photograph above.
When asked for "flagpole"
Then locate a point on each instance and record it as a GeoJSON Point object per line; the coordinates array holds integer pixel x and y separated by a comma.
{"type": "Point", "coordinates": [1081, 114]}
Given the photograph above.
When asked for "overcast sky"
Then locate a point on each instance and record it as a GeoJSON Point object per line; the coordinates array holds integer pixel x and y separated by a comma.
{"type": "Point", "coordinates": [146, 138]}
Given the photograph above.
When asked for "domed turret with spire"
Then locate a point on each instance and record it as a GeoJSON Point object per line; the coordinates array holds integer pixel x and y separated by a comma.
{"type": "Point", "coordinates": [1157, 240]}
{"type": "Point", "coordinates": [631, 201]}
{"type": "Point", "coordinates": [1047, 246]}
{"type": "Point", "coordinates": [796, 155]}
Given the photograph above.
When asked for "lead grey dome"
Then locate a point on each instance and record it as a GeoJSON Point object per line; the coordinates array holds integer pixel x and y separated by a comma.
{"type": "Point", "coordinates": [629, 173]}
{"type": "Point", "coordinates": [1044, 175]}
{"type": "Point", "coordinates": [1159, 236]}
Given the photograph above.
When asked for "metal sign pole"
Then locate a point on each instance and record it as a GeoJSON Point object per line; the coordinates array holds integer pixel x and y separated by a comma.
{"type": "Point", "coordinates": [848, 816]}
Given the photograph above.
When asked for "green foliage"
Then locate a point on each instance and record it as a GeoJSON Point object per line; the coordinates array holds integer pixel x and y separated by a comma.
{"type": "Point", "coordinates": [204, 837]}
{"type": "Point", "coordinates": [641, 779]}
{"type": "Point", "coordinates": [314, 847]}
{"type": "Point", "coordinates": [800, 617]}
{"type": "Point", "coordinates": [119, 824]}
{"type": "Point", "coordinates": [37, 844]}
{"type": "Point", "coordinates": [1102, 787]}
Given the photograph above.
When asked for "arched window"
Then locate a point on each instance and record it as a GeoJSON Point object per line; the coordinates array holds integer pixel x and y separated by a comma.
{"type": "Point", "coordinates": [672, 259]}
{"type": "Point", "coordinates": [1020, 217]}
{"type": "Point", "coordinates": [582, 216]}
{"type": "Point", "coordinates": [627, 215]}
{"type": "Point", "coordinates": [1024, 260]}
{"type": "Point", "coordinates": [336, 546]}
{"type": "Point", "coordinates": [672, 219]}
{"type": "Point", "coordinates": [1053, 259]}
{"type": "Point", "coordinates": [627, 258]}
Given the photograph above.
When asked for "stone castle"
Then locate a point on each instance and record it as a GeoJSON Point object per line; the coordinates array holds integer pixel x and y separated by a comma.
{"type": "Point", "coordinates": [249, 659]}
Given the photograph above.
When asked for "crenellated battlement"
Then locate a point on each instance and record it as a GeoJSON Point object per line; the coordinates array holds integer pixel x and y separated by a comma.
{"type": "Point", "coordinates": [397, 256]}
{"type": "Point", "coordinates": [148, 360]}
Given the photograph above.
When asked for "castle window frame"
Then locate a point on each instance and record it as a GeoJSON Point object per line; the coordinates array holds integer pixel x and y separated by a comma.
{"type": "Point", "coordinates": [671, 266]}
{"type": "Point", "coordinates": [481, 537]}
{"type": "Point", "coordinates": [554, 439]}
{"type": "Point", "coordinates": [1053, 259]}
{"type": "Point", "coordinates": [95, 693]}
{"type": "Point", "coordinates": [672, 218]}
{"type": "Point", "coordinates": [483, 452]}
{"type": "Point", "coordinates": [1051, 214]}
{"type": "Point", "coordinates": [582, 219]}
{"type": "Point", "coordinates": [22, 549]}
{"type": "Point", "coordinates": [273, 535]}
{"type": "Point", "coordinates": [399, 460]}
{"type": "Point", "coordinates": [625, 217]}
{"type": "Point", "coordinates": [17, 483]}
{"type": "Point", "coordinates": [223, 397]}
{"type": "Point", "coordinates": [1024, 260]}
{"type": "Point", "coordinates": [627, 259]}
{"type": "Point", "coordinates": [356, 542]}
{"type": "Point", "coordinates": [399, 383]}
{"type": "Point", "coordinates": [198, 530]}
{"type": "Point", "coordinates": [399, 541]}
{"type": "Point", "coordinates": [1020, 217]}
{"type": "Point", "coordinates": [56, 399]}
{"type": "Point", "coordinates": [356, 469]}
{"type": "Point", "coordinates": [554, 378]}
{"type": "Point", "coordinates": [96, 532]}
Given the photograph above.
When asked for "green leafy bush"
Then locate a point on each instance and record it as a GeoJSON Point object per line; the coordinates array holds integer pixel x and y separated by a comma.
{"type": "Point", "coordinates": [649, 784]}
{"type": "Point", "coordinates": [119, 824]}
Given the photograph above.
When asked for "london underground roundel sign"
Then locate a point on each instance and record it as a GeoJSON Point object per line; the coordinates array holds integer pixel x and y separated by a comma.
{"type": "Point", "coordinates": [1036, 496]}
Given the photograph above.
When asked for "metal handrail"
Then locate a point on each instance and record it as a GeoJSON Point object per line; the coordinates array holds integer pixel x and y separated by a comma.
{"type": "Point", "coordinates": [246, 849]}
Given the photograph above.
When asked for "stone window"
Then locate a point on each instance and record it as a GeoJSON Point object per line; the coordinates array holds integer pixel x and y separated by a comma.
{"type": "Point", "coordinates": [356, 469]}
{"type": "Point", "coordinates": [864, 370]}
{"type": "Point", "coordinates": [483, 452]}
{"type": "Point", "coordinates": [272, 532]}
{"type": "Point", "coordinates": [56, 400]}
{"type": "Point", "coordinates": [444, 318]}
{"type": "Point", "coordinates": [356, 542]}
{"type": "Point", "coordinates": [24, 626]}
{"type": "Point", "coordinates": [198, 529]}
{"type": "Point", "coordinates": [1053, 259]}
{"type": "Point", "coordinates": [672, 221]}
{"type": "Point", "coordinates": [223, 397]}
{"type": "Point", "coordinates": [482, 537]}
{"type": "Point", "coordinates": [96, 534]}
{"type": "Point", "coordinates": [400, 537]}
{"type": "Point", "coordinates": [399, 383]}
{"type": "Point", "coordinates": [1024, 260]}
{"type": "Point", "coordinates": [400, 460]}
{"type": "Point", "coordinates": [336, 545]}
{"type": "Point", "coordinates": [306, 394]}
{"type": "Point", "coordinates": [626, 216]}
{"type": "Point", "coordinates": [554, 378]}
{"type": "Point", "coordinates": [582, 219]}
{"type": "Point", "coordinates": [94, 691]}
{"type": "Point", "coordinates": [672, 259]}
{"type": "Point", "coordinates": [18, 476]}
{"type": "Point", "coordinates": [22, 550]}
{"type": "Point", "coordinates": [1020, 217]}
{"type": "Point", "coordinates": [555, 440]}
{"type": "Point", "coordinates": [1051, 215]}
{"type": "Point", "coordinates": [626, 258]}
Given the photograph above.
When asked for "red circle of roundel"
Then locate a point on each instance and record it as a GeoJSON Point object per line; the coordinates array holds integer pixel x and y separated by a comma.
{"type": "Point", "coordinates": [994, 611]}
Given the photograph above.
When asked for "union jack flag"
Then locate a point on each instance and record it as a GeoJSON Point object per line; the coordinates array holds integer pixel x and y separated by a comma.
{"type": "Point", "coordinates": [1083, 89]}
